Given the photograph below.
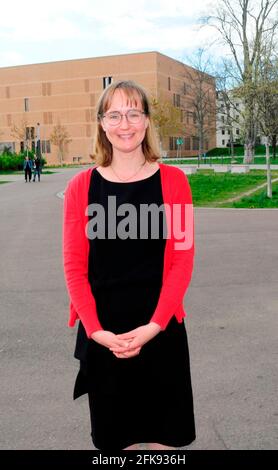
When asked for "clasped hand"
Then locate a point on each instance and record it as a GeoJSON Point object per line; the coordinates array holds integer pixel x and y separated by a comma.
{"type": "Point", "coordinates": [127, 344]}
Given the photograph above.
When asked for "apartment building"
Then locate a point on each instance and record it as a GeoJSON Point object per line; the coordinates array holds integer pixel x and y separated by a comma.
{"type": "Point", "coordinates": [229, 119]}
{"type": "Point", "coordinates": [38, 97]}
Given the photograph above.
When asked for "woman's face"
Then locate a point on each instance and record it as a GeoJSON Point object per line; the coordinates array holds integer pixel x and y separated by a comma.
{"type": "Point", "coordinates": [125, 137]}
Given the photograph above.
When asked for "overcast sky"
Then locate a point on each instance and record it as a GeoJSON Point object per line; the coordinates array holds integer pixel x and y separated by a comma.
{"type": "Point", "coordinates": [33, 31]}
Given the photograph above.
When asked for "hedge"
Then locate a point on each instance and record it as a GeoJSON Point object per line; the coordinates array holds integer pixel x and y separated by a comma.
{"type": "Point", "coordinates": [14, 162]}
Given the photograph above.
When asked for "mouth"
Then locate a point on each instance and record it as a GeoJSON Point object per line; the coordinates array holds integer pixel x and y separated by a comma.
{"type": "Point", "coordinates": [126, 136]}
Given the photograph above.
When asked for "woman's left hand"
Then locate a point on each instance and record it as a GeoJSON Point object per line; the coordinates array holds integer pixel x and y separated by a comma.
{"type": "Point", "coordinates": [136, 338]}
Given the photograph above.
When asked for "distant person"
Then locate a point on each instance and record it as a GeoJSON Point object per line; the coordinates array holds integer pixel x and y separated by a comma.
{"type": "Point", "coordinates": [37, 165]}
{"type": "Point", "coordinates": [27, 167]}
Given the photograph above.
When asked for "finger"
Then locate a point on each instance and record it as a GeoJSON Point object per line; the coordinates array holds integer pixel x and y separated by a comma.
{"type": "Point", "coordinates": [127, 335]}
{"type": "Point", "coordinates": [135, 352]}
{"type": "Point", "coordinates": [135, 343]}
{"type": "Point", "coordinates": [120, 344]}
{"type": "Point", "coordinates": [120, 349]}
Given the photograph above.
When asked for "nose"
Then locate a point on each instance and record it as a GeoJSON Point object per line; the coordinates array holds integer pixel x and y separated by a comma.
{"type": "Point", "coordinates": [124, 122]}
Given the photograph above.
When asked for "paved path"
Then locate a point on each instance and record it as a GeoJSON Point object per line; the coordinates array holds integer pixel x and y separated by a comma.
{"type": "Point", "coordinates": [232, 308]}
{"type": "Point", "coordinates": [248, 193]}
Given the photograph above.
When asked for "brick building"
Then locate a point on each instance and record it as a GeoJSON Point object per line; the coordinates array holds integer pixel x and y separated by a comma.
{"type": "Point", "coordinates": [39, 96]}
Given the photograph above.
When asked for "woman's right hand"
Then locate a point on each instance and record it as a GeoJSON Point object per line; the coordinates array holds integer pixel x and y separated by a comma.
{"type": "Point", "coordinates": [111, 341]}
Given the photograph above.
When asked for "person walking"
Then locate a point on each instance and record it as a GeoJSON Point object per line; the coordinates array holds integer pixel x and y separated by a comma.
{"type": "Point", "coordinates": [37, 168]}
{"type": "Point", "coordinates": [126, 281]}
{"type": "Point", "coordinates": [27, 168]}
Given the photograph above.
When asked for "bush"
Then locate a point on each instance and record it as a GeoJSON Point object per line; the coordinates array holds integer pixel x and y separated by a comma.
{"type": "Point", "coordinates": [11, 162]}
{"type": "Point", "coordinates": [14, 162]}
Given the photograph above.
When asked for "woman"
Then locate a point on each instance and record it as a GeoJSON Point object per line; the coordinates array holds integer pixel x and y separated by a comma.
{"type": "Point", "coordinates": [126, 280]}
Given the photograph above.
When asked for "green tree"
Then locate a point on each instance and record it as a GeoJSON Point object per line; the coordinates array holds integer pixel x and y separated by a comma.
{"type": "Point", "coordinates": [167, 119]}
{"type": "Point", "coordinates": [267, 99]}
{"type": "Point", "coordinates": [246, 27]}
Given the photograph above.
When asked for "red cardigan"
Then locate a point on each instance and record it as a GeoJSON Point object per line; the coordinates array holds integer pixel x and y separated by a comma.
{"type": "Point", "coordinates": [178, 263]}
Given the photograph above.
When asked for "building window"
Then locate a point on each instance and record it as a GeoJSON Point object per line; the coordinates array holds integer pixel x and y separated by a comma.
{"type": "Point", "coordinates": [171, 143]}
{"type": "Point", "coordinates": [223, 142]}
{"type": "Point", "coordinates": [223, 118]}
{"type": "Point", "coordinates": [106, 81]}
{"type": "Point", "coordinates": [194, 118]}
{"type": "Point", "coordinates": [46, 148]}
{"type": "Point", "coordinates": [26, 105]}
{"type": "Point", "coordinates": [7, 146]}
{"type": "Point", "coordinates": [187, 145]}
{"type": "Point", "coordinates": [195, 143]}
{"type": "Point", "coordinates": [184, 89]}
{"type": "Point", "coordinates": [187, 117]}
{"type": "Point", "coordinates": [237, 131]}
{"type": "Point", "coordinates": [169, 83]}
{"type": "Point", "coordinates": [30, 133]}
{"type": "Point", "coordinates": [223, 131]}
{"type": "Point", "coordinates": [176, 100]}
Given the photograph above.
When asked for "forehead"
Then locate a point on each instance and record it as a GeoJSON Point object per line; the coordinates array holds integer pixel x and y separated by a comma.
{"type": "Point", "coordinates": [123, 99]}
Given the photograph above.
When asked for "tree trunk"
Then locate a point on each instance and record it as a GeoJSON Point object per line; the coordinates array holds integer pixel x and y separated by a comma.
{"type": "Point", "coordinates": [248, 153]}
{"type": "Point", "coordinates": [201, 145]}
{"type": "Point", "coordinates": [60, 156]}
{"type": "Point", "coordinates": [268, 170]}
{"type": "Point", "coordinates": [274, 145]}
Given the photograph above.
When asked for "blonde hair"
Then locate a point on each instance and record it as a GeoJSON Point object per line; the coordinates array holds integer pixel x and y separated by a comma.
{"type": "Point", "coordinates": [103, 152]}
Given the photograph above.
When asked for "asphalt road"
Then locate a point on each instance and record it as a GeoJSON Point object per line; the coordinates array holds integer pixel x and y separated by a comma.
{"type": "Point", "coordinates": [232, 306]}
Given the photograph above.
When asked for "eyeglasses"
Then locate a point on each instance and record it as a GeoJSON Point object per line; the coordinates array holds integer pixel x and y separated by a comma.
{"type": "Point", "coordinates": [133, 116]}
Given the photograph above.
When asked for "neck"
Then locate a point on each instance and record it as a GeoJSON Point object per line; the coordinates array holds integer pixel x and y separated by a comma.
{"type": "Point", "coordinates": [128, 161]}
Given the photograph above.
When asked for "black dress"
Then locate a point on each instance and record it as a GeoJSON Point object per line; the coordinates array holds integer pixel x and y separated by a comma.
{"type": "Point", "coordinates": [147, 398]}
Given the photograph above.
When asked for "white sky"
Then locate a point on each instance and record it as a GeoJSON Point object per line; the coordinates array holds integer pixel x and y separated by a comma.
{"type": "Point", "coordinates": [34, 31]}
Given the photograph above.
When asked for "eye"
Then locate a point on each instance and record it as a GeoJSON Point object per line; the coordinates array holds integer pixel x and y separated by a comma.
{"type": "Point", "coordinates": [114, 116]}
{"type": "Point", "coordinates": [134, 113]}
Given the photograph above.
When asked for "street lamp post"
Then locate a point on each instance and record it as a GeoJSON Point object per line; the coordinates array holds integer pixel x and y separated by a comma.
{"type": "Point", "coordinates": [38, 141]}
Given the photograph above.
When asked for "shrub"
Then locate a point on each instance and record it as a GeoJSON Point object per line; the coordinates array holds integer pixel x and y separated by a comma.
{"type": "Point", "coordinates": [14, 162]}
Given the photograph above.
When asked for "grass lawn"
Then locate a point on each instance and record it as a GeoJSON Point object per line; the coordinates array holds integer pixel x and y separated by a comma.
{"type": "Point", "coordinates": [257, 200]}
{"type": "Point", "coordinates": [219, 161]}
{"type": "Point", "coordinates": [210, 189]}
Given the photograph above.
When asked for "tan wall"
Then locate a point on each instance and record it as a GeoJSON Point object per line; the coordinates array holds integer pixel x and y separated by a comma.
{"type": "Point", "coordinates": [67, 92]}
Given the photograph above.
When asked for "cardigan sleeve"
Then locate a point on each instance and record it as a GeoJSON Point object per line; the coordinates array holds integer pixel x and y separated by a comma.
{"type": "Point", "coordinates": [177, 279]}
{"type": "Point", "coordinates": [75, 252]}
